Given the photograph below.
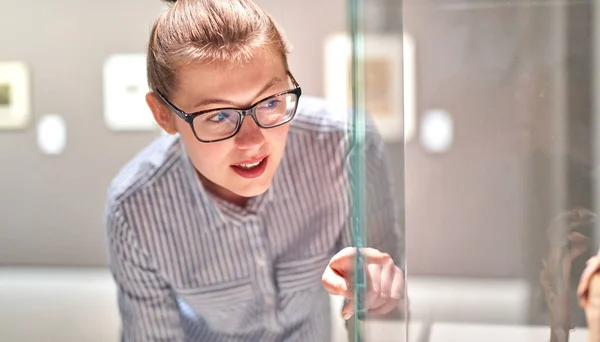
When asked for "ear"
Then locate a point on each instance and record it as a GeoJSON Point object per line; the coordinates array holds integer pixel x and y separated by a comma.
{"type": "Point", "coordinates": [163, 116]}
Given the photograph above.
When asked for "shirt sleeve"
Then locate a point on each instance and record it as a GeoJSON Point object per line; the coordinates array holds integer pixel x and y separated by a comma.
{"type": "Point", "coordinates": [148, 309]}
{"type": "Point", "coordinates": [383, 230]}
{"type": "Point", "coordinates": [384, 227]}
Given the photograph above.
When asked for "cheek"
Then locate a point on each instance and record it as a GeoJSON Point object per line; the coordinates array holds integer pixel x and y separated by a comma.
{"type": "Point", "coordinates": [208, 161]}
{"type": "Point", "coordinates": [192, 145]}
{"type": "Point", "coordinates": [209, 154]}
{"type": "Point", "coordinates": [278, 136]}
{"type": "Point", "coordinates": [207, 158]}
{"type": "Point", "coordinates": [184, 130]}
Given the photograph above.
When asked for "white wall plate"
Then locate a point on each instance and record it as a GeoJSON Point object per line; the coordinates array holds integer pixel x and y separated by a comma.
{"type": "Point", "coordinates": [437, 131]}
{"type": "Point", "coordinates": [389, 66]}
{"type": "Point", "coordinates": [52, 134]}
{"type": "Point", "coordinates": [15, 95]}
{"type": "Point", "coordinates": [125, 88]}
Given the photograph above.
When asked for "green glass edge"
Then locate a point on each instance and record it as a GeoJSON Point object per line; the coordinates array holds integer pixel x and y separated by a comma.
{"type": "Point", "coordinates": [357, 161]}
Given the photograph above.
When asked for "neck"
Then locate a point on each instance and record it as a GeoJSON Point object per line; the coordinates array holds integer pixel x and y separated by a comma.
{"type": "Point", "coordinates": [223, 193]}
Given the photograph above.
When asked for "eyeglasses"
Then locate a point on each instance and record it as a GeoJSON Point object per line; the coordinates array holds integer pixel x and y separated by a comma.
{"type": "Point", "coordinates": [223, 123]}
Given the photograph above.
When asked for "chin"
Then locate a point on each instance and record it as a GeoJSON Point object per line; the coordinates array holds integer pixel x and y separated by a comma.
{"type": "Point", "coordinates": [253, 191]}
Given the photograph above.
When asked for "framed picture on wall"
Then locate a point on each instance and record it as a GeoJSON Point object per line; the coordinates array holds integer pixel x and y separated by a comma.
{"type": "Point", "coordinates": [15, 90]}
{"type": "Point", "coordinates": [385, 81]}
{"type": "Point", "coordinates": [125, 87]}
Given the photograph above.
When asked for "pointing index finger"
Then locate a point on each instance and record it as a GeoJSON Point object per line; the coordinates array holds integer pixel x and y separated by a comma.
{"type": "Point", "coordinates": [343, 261]}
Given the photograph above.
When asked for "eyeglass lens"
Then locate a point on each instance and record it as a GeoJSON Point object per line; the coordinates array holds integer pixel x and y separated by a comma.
{"type": "Point", "coordinates": [223, 123]}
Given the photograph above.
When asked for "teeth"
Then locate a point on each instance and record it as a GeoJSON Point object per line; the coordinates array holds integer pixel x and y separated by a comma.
{"type": "Point", "coordinates": [249, 166]}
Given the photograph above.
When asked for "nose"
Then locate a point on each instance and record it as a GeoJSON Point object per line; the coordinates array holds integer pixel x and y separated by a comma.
{"type": "Point", "coordinates": [250, 135]}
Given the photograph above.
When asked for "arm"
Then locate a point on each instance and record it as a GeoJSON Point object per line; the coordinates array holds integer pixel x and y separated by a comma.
{"type": "Point", "coordinates": [383, 228]}
{"type": "Point", "coordinates": [148, 309]}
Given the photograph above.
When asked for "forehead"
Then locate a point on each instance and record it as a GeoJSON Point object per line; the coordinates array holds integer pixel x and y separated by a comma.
{"type": "Point", "coordinates": [232, 82]}
{"type": "Point", "coordinates": [262, 63]}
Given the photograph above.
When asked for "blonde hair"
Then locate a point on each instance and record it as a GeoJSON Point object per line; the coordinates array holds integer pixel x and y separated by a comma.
{"type": "Point", "coordinates": [208, 31]}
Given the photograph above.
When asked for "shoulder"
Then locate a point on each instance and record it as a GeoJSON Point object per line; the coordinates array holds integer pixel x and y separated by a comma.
{"type": "Point", "coordinates": [325, 118]}
{"type": "Point", "coordinates": [144, 169]}
{"type": "Point", "coordinates": [320, 115]}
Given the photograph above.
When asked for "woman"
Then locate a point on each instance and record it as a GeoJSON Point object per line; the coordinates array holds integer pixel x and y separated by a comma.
{"type": "Point", "coordinates": [232, 227]}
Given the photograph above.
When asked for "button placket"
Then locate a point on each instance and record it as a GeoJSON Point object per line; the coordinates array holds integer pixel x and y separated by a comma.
{"type": "Point", "coordinates": [261, 256]}
{"type": "Point", "coordinates": [264, 274]}
{"type": "Point", "coordinates": [269, 300]}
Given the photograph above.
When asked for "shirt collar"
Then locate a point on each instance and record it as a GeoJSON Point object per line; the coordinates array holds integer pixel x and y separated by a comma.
{"type": "Point", "coordinates": [219, 212]}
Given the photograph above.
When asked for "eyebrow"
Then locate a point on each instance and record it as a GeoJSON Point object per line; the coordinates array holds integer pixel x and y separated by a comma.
{"type": "Point", "coordinates": [207, 102]}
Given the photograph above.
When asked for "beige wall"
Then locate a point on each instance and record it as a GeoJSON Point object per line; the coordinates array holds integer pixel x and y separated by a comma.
{"type": "Point", "coordinates": [51, 207]}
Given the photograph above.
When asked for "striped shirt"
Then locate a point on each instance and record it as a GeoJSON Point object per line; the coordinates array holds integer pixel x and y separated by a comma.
{"type": "Point", "coordinates": [192, 267]}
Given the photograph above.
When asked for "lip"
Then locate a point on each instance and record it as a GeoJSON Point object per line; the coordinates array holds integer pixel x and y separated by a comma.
{"type": "Point", "coordinates": [254, 172]}
{"type": "Point", "coordinates": [250, 161]}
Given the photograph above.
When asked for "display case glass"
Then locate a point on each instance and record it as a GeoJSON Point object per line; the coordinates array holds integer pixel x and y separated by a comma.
{"type": "Point", "coordinates": [488, 111]}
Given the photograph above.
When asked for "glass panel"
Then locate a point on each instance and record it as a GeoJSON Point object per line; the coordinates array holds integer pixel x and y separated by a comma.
{"type": "Point", "coordinates": [376, 119]}
{"type": "Point", "coordinates": [500, 148]}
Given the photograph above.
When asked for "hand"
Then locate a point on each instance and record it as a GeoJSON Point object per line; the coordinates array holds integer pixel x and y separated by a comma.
{"type": "Point", "coordinates": [385, 282]}
{"type": "Point", "coordinates": [592, 266]}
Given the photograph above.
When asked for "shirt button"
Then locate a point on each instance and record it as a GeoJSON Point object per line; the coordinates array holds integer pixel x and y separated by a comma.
{"type": "Point", "coordinates": [260, 261]}
{"type": "Point", "coordinates": [270, 300]}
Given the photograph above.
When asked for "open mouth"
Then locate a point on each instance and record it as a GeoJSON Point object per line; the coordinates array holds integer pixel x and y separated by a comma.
{"type": "Point", "coordinates": [251, 169]}
{"type": "Point", "coordinates": [249, 166]}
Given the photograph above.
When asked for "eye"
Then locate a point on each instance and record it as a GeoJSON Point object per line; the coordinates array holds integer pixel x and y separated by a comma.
{"type": "Point", "coordinates": [270, 104]}
{"type": "Point", "coordinates": [219, 117]}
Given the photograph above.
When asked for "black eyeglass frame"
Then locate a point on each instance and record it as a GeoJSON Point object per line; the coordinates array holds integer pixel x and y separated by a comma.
{"type": "Point", "coordinates": [242, 112]}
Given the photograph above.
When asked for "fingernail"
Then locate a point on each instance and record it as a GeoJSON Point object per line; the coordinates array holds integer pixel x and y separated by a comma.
{"type": "Point", "coordinates": [346, 315]}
